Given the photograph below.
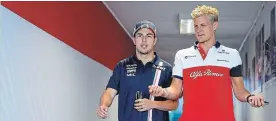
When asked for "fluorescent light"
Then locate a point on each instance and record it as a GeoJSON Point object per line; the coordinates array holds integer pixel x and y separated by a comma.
{"type": "Point", "coordinates": [186, 26]}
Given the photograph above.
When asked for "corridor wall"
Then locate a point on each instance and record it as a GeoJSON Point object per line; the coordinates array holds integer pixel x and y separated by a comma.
{"type": "Point", "coordinates": [259, 67]}
{"type": "Point", "coordinates": [56, 59]}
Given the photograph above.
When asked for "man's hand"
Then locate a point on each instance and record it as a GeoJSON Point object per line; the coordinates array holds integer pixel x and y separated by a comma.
{"type": "Point", "coordinates": [256, 101]}
{"type": "Point", "coordinates": [157, 91]}
{"type": "Point", "coordinates": [102, 112]}
{"type": "Point", "coordinates": [144, 104]}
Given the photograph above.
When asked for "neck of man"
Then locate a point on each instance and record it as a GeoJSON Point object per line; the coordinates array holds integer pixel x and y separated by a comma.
{"type": "Point", "coordinates": [145, 57]}
{"type": "Point", "coordinates": [206, 45]}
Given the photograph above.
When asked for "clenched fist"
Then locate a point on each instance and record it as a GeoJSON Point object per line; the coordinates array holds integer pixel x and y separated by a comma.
{"type": "Point", "coordinates": [102, 112]}
{"type": "Point", "coordinates": [256, 101]}
{"type": "Point", "coordinates": [157, 91]}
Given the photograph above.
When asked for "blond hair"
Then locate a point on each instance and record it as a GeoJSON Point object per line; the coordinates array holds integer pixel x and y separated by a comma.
{"type": "Point", "coordinates": [201, 10]}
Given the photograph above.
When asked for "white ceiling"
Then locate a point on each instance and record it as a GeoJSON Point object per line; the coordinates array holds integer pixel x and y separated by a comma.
{"type": "Point", "coordinates": [235, 20]}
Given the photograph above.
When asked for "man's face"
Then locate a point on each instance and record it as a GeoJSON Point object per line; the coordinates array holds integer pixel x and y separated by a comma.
{"type": "Point", "coordinates": [144, 41]}
{"type": "Point", "coordinates": [204, 29]}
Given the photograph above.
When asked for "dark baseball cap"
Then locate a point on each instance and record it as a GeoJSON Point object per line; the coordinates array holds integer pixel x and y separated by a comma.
{"type": "Point", "coordinates": [144, 24]}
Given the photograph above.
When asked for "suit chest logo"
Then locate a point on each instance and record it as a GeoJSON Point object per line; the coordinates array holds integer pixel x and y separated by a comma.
{"type": "Point", "coordinates": [131, 69]}
{"type": "Point", "coordinates": [158, 67]}
{"type": "Point", "coordinates": [208, 72]}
